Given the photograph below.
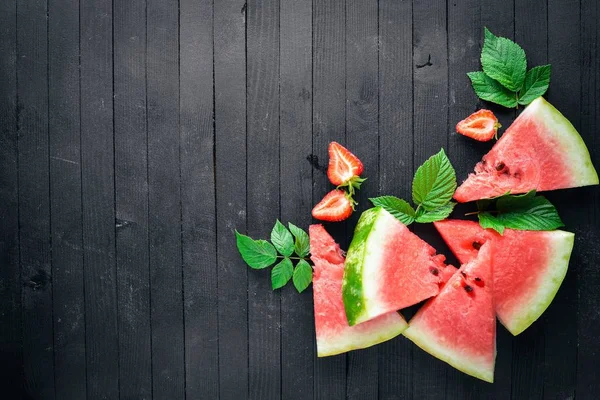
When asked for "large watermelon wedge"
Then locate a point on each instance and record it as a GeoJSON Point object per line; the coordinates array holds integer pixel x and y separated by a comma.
{"type": "Point", "coordinates": [388, 268]}
{"type": "Point", "coordinates": [334, 335]}
{"type": "Point", "coordinates": [541, 150]}
{"type": "Point", "coordinates": [459, 326]}
{"type": "Point", "coordinates": [529, 267]}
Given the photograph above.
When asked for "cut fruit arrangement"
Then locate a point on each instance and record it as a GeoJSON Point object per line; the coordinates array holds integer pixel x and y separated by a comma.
{"type": "Point", "coordinates": [513, 261]}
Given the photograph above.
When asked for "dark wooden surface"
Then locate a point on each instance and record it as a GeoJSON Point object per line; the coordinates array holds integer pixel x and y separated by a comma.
{"type": "Point", "coordinates": [136, 135]}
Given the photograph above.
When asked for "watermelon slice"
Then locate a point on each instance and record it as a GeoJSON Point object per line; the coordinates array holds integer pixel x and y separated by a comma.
{"type": "Point", "coordinates": [334, 335]}
{"type": "Point", "coordinates": [541, 150]}
{"type": "Point", "coordinates": [529, 267]}
{"type": "Point", "coordinates": [388, 268]}
{"type": "Point", "coordinates": [459, 326]}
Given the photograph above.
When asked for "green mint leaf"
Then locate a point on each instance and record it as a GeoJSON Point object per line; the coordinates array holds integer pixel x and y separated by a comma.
{"type": "Point", "coordinates": [503, 60]}
{"type": "Point", "coordinates": [302, 242]}
{"type": "Point", "coordinates": [509, 202]}
{"type": "Point", "coordinates": [488, 221]}
{"type": "Point", "coordinates": [536, 84]}
{"type": "Point", "coordinates": [490, 90]}
{"type": "Point", "coordinates": [440, 213]}
{"type": "Point", "coordinates": [282, 239]}
{"type": "Point", "coordinates": [397, 207]}
{"type": "Point", "coordinates": [302, 276]}
{"type": "Point", "coordinates": [483, 204]}
{"type": "Point", "coordinates": [257, 254]}
{"type": "Point", "coordinates": [537, 215]}
{"type": "Point", "coordinates": [434, 182]}
{"type": "Point", "coordinates": [281, 273]}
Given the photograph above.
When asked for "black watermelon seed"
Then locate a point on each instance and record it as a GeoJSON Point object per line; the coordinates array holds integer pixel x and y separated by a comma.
{"type": "Point", "coordinates": [476, 245]}
{"type": "Point", "coordinates": [463, 274]}
{"type": "Point", "coordinates": [500, 166]}
{"type": "Point", "coordinates": [478, 281]}
{"type": "Point", "coordinates": [468, 289]}
{"type": "Point", "coordinates": [434, 271]}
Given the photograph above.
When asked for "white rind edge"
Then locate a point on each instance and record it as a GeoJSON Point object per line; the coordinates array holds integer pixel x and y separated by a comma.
{"type": "Point", "coordinates": [562, 243]}
{"type": "Point", "coordinates": [356, 338]}
{"type": "Point", "coordinates": [572, 145]}
{"type": "Point", "coordinates": [469, 365]}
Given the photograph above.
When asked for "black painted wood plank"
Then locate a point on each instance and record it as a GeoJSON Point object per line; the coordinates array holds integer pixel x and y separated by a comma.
{"type": "Point", "coordinates": [295, 132]}
{"type": "Point", "coordinates": [587, 253]}
{"type": "Point", "coordinates": [560, 319]}
{"type": "Point", "coordinates": [198, 199]}
{"type": "Point", "coordinates": [528, 347]}
{"type": "Point", "coordinates": [230, 159]}
{"type": "Point", "coordinates": [329, 81]}
{"type": "Point", "coordinates": [395, 160]}
{"type": "Point", "coordinates": [430, 106]}
{"type": "Point", "coordinates": [131, 199]}
{"type": "Point", "coordinates": [164, 201]}
{"type": "Point", "coordinates": [11, 369]}
{"type": "Point", "coordinates": [34, 199]}
{"type": "Point", "coordinates": [65, 200]}
{"type": "Point", "coordinates": [362, 138]}
{"type": "Point", "coordinates": [97, 168]}
{"type": "Point", "coordinates": [262, 35]}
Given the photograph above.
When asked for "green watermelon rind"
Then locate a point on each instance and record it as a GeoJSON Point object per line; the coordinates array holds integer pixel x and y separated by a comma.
{"type": "Point", "coordinates": [388, 327]}
{"type": "Point", "coordinates": [352, 292]}
{"type": "Point", "coordinates": [429, 343]}
{"type": "Point", "coordinates": [556, 271]}
{"type": "Point", "coordinates": [572, 145]}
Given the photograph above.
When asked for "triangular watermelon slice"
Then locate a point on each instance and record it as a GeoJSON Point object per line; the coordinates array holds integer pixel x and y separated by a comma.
{"type": "Point", "coordinates": [541, 150]}
{"type": "Point", "coordinates": [459, 326]}
{"type": "Point", "coordinates": [529, 267]}
{"type": "Point", "coordinates": [334, 335]}
{"type": "Point", "coordinates": [388, 268]}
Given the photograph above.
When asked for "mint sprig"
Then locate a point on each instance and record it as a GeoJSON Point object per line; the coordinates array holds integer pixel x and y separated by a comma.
{"type": "Point", "coordinates": [259, 254]}
{"type": "Point", "coordinates": [433, 185]}
{"type": "Point", "coordinates": [505, 79]}
{"type": "Point", "coordinates": [520, 212]}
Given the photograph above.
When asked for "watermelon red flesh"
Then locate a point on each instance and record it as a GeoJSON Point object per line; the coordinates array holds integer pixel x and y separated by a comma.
{"type": "Point", "coordinates": [541, 150]}
{"type": "Point", "coordinates": [334, 335]}
{"type": "Point", "coordinates": [529, 267]}
{"type": "Point", "coordinates": [459, 326]}
{"type": "Point", "coordinates": [388, 268]}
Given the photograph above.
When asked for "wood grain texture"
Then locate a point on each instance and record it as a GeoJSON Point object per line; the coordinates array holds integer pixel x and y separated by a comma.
{"type": "Point", "coordinates": [98, 202]}
{"type": "Point", "coordinates": [230, 160]}
{"type": "Point", "coordinates": [131, 199]}
{"type": "Point", "coordinates": [11, 370]}
{"type": "Point", "coordinates": [262, 105]}
{"type": "Point", "coordinates": [65, 200]}
{"type": "Point", "coordinates": [295, 180]}
{"type": "Point", "coordinates": [329, 123]}
{"type": "Point", "coordinates": [34, 201]}
{"type": "Point", "coordinates": [198, 208]}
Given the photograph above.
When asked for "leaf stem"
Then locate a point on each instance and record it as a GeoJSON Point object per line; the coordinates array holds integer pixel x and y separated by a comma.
{"type": "Point", "coordinates": [294, 258]}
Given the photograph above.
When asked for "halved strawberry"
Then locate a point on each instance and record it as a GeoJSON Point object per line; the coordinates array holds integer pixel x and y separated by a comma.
{"type": "Point", "coordinates": [343, 165]}
{"type": "Point", "coordinates": [481, 125]}
{"type": "Point", "coordinates": [335, 206]}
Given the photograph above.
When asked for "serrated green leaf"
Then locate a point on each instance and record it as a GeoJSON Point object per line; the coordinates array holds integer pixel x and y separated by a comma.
{"type": "Point", "coordinates": [488, 221]}
{"type": "Point", "coordinates": [302, 241]}
{"type": "Point", "coordinates": [536, 84]}
{"type": "Point", "coordinates": [434, 182]}
{"type": "Point", "coordinates": [397, 207]}
{"type": "Point", "coordinates": [490, 90]}
{"type": "Point", "coordinates": [440, 213]}
{"type": "Point", "coordinates": [282, 239]}
{"type": "Point", "coordinates": [302, 276]}
{"type": "Point", "coordinates": [538, 215]}
{"type": "Point", "coordinates": [257, 254]}
{"type": "Point", "coordinates": [281, 273]}
{"type": "Point", "coordinates": [504, 61]}
{"type": "Point", "coordinates": [507, 202]}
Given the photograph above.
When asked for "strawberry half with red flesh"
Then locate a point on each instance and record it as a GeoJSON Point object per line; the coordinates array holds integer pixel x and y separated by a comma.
{"type": "Point", "coordinates": [481, 125]}
{"type": "Point", "coordinates": [336, 206]}
{"type": "Point", "coordinates": [344, 167]}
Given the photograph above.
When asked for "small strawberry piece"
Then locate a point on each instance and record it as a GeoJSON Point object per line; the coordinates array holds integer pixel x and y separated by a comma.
{"type": "Point", "coordinates": [335, 206]}
{"type": "Point", "coordinates": [343, 165]}
{"type": "Point", "coordinates": [481, 125]}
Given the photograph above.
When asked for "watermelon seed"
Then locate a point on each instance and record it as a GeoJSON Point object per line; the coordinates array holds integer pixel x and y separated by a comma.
{"type": "Point", "coordinates": [434, 271]}
{"type": "Point", "coordinates": [463, 274]}
{"type": "Point", "coordinates": [476, 245]}
{"type": "Point", "coordinates": [468, 289]}
{"type": "Point", "coordinates": [478, 281]}
{"type": "Point", "coordinates": [500, 166]}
